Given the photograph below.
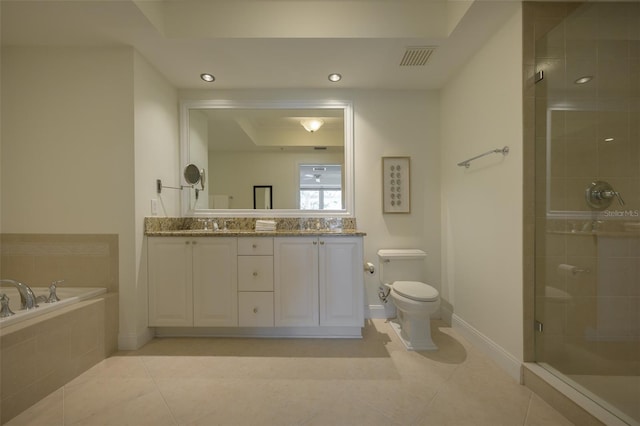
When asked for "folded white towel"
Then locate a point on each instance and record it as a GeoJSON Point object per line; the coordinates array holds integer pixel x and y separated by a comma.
{"type": "Point", "coordinates": [266, 222]}
{"type": "Point", "coordinates": [265, 225]}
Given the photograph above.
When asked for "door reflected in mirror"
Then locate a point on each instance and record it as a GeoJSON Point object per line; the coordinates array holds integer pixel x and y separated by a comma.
{"type": "Point", "coordinates": [241, 143]}
{"type": "Point", "coordinates": [262, 197]}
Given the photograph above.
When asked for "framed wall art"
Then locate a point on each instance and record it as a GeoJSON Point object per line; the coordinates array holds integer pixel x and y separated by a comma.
{"type": "Point", "coordinates": [396, 194]}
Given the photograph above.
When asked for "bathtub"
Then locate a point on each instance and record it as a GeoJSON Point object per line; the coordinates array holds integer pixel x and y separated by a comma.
{"type": "Point", "coordinates": [67, 295]}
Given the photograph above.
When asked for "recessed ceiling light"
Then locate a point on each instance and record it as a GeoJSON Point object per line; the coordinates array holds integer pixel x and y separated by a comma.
{"type": "Point", "coordinates": [583, 80]}
{"type": "Point", "coordinates": [609, 139]}
{"type": "Point", "coordinates": [207, 77]}
{"type": "Point", "coordinates": [335, 77]}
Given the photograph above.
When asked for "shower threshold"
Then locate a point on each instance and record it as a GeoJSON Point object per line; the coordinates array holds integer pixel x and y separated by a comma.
{"type": "Point", "coordinates": [578, 394]}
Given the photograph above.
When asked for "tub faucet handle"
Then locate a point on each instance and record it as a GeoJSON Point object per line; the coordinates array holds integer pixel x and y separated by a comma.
{"type": "Point", "coordinates": [5, 310]}
{"type": "Point", "coordinates": [53, 297]}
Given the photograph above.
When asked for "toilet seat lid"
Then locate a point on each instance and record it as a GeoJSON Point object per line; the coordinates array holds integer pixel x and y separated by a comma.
{"type": "Point", "coordinates": [416, 290]}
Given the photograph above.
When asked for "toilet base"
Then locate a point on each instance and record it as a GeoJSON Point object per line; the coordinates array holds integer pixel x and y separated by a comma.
{"type": "Point", "coordinates": [421, 345]}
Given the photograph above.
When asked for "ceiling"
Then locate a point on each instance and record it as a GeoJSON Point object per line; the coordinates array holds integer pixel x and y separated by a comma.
{"type": "Point", "coordinates": [269, 44]}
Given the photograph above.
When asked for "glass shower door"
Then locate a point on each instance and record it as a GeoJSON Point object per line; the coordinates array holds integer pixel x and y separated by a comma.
{"type": "Point", "coordinates": [588, 203]}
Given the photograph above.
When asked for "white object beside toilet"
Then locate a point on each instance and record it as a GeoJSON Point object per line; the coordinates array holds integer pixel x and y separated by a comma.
{"type": "Point", "coordinates": [414, 300]}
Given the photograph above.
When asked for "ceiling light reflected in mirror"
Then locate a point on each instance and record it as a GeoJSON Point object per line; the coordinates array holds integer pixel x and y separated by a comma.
{"type": "Point", "coordinates": [312, 124]}
{"type": "Point", "coordinates": [584, 79]}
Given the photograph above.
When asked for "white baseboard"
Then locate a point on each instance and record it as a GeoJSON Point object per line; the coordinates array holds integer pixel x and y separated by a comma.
{"type": "Point", "coordinates": [376, 312]}
{"type": "Point", "coordinates": [131, 342]}
{"type": "Point", "coordinates": [325, 332]}
{"type": "Point", "coordinates": [499, 355]}
{"type": "Point", "coordinates": [446, 315]}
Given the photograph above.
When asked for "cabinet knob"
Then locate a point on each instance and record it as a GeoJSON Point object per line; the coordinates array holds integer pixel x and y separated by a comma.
{"type": "Point", "coordinates": [195, 242]}
{"type": "Point", "coordinates": [255, 310]}
{"type": "Point", "coordinates": [254, 245]}
{"type": "Point", "coordinates": [187, 242]}
{"type": "Point", "coordinates": [255, 274]}
{"type": "Point", "coordinates": [321, 243]}
{"type": "Point", "coordinates": [315, 243]}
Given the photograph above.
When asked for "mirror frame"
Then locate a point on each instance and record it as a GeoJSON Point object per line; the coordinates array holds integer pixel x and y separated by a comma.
{"type": "Point", "coordinates": [349, 190]}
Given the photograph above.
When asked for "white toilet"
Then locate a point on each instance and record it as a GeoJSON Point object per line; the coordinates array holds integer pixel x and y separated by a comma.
{"type": "Point", "coordinates": [415, 301]}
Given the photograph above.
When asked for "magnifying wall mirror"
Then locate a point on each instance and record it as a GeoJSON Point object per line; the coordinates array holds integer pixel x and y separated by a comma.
{"type": "Point", "coordinates": [192, 174]}
{"type": "Point", "coordinates": [237, 144]}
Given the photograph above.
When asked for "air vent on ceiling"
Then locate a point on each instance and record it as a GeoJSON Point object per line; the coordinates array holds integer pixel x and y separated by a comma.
{"type": "Point", "coordinates": [416, 56]}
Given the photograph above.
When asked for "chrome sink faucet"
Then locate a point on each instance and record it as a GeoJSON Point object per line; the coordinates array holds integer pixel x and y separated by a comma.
{"type": "Point", "coordinates": [27, 297]}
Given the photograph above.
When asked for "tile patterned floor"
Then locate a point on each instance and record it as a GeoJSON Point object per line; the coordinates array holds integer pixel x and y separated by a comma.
{"type": "Point", "coordinates": [225, 381]}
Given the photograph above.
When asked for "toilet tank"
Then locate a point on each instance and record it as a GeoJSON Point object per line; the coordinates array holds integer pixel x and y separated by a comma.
{"type": "Point", "coordinates": [401, 265]}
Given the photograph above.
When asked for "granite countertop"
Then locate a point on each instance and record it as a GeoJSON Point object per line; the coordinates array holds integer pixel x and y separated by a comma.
{"type": "Point", "coordinates": [252, 233]}
{"type": "Point", "coordinates": [245, 227]}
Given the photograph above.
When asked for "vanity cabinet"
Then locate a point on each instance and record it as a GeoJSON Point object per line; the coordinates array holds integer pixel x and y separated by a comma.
{"type": "Point", "coordinates": [271, 286]}
{"type": "Point", "coordinates": [318, 281]}
{"type": "Point", "coordinates": [255, 282]}
{"type": "Point", "coordinates": [193, 281]}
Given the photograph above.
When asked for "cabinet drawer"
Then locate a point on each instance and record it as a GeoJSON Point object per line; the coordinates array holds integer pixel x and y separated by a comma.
{"type": "Point", "coordinates": [255, 309]}
{"type": "Point", "coordinates": [262, 246]}
{"type": "Point", "coordinates": [255, 273]}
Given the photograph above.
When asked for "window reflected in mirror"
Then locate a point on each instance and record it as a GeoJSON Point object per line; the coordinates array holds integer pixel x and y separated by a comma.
{"type": "Point", "coordinates": [320, 186]}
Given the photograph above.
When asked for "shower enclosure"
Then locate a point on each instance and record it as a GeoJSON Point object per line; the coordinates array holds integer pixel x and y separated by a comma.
{"type": "Point", "coordinates": [587, 201]}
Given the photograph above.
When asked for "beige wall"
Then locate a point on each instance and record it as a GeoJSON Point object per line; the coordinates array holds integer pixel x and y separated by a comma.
{"type": "Point", "coordinates": [1, 139]}
{"type": "Point", "coordinates": [67, 140]}
{"type": "Point", "coordinates": [398, 123]}
{"type": "Point", "coordinates": [156, 157]}
{"type": "Point", "coordinates": [482, 206]}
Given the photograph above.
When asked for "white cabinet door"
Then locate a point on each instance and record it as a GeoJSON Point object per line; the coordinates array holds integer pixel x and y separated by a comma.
{"type": "Point", "coordinates": [215, 282]}
{"type": "Point", "coordinates": [296, 281]}
{"type": "Point", "coordinates": [341, 281]}
{"type": "Point", "coordinates": [170, 289]}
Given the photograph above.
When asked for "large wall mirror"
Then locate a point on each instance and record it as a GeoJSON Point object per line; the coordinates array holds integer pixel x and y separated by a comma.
{"type": "Point", "coordinates": [302, 150]}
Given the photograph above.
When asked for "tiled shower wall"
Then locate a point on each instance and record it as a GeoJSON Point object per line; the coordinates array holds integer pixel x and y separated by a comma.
{"type": "Point", "coordinates": [591, 319]}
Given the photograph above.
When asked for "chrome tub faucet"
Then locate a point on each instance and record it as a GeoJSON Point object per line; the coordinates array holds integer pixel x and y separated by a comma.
{"type": "Point", "coordinates": [27, 297]}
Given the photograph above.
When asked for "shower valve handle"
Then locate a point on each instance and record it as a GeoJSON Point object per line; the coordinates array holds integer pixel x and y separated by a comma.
{"type": "Point", "coordinates": [600, 194]}
{"type": "Point", "coordinates": [610, 194]}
